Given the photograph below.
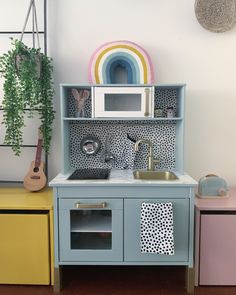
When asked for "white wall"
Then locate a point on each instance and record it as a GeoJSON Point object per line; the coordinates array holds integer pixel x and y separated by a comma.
{"type": "Point", "coordinates": [181, 51]}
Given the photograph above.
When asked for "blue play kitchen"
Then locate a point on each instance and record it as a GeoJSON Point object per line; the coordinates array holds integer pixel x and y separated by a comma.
{"type": "Point", "coordinates": [112, 166]}
{"type": "Point", "coordinates": [122, 197]}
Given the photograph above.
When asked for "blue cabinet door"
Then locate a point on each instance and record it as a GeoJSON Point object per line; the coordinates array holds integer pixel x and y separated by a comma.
{"type": "Point", "coordinates": [90, 230]}
{"type": "Point", "coordinates": [132, 232]}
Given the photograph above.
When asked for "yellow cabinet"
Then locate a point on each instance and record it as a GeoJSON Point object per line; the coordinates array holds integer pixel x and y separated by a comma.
{"type": "Point", "coordinates": [26, 243]}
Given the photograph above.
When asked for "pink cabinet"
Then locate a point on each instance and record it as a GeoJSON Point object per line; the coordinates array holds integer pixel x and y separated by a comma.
{"type": "Point", "coordinates": [215, 241]}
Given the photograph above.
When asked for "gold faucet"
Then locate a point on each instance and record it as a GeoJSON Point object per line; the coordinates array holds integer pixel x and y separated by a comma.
{"type": "Point", "coordinates": [151, 160]}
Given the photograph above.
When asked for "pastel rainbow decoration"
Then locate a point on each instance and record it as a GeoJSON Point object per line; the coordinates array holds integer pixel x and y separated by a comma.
{"type": "Point", "coordinates": [125, 54]}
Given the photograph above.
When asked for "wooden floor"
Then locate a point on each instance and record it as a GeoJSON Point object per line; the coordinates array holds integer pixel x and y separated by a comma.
{"type": "Point", "coordinates": [119, 280]}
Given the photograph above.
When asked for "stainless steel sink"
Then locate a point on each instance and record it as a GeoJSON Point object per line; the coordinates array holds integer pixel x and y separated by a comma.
{"type": "Point", "coordinates": [154, 175]}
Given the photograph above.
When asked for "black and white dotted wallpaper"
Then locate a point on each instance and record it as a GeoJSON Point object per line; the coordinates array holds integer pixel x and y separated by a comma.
{"type": "Point", "coordinates": [165, 98]}
{"type": "Point", "coordinates": [161, 135]}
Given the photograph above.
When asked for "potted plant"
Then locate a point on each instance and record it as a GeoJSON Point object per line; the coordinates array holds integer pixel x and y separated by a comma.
{"type": "Point", "coordinates": [28, 87]}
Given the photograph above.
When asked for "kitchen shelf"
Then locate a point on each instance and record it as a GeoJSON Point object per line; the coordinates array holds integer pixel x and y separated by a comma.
{"type": "Point", "coordinates": [91, 223]}
{"type": "Point", "coordinates": [169, 131]}
{"type": "Point", "coordinates": [91, 241]}
{"type": "Point", "coordinates": [123, 119]}
{"type": "Point", "coordinates": [171, 96]}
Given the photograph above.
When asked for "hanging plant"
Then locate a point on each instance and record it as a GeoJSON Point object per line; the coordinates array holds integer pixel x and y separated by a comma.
{"type": "Point", "coordinates": [28, 84]}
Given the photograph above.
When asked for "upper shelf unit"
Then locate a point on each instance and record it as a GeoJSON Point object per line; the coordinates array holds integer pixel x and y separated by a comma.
{"type": "Point", "coordinates": [122, 102]}
{"type": "Point", "coordinates": [164, 106]}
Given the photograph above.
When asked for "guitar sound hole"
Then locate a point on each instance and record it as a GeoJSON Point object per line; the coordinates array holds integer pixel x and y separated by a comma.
{"type": "Point", "coordinates": [36, 169]}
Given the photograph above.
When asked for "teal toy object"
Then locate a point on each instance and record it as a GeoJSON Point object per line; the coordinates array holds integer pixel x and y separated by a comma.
{"type": "Point", "coordinates": [212, 186]}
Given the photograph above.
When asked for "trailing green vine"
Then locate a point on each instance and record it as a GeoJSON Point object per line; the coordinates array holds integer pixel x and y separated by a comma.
{"type": "Point", "coordinates": [28, 84]}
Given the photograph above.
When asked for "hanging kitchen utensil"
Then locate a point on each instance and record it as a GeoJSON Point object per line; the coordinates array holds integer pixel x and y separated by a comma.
{"type": "Point", "coordinates": [90, 145]}
{"type": "Point", "coordinates": [108, 156]}
{"type": "Point", "coordinates": [20, 58]}
{"type": "Point", "coordinates": [216, 15]}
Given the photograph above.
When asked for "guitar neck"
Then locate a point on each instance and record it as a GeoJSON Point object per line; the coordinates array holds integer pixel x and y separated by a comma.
{"type": "Point", "coordinates": [38, 153]}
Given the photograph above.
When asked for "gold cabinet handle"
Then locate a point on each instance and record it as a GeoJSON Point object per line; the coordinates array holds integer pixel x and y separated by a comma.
{"type": "Point", "coordinates": [78, 205]}
{"type": "Point", "coordinates": [147, 97]}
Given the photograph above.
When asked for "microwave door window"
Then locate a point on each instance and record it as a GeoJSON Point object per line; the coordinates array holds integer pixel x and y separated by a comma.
{"type": "Point", "coordinates": [120, 102]}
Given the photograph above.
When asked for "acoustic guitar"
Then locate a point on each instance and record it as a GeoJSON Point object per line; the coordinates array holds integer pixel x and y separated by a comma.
{"type": "Point", "coordinates": [35, 179]}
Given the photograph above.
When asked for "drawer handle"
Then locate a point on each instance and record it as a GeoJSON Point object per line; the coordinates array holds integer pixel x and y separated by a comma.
{"type": "Point", "coordinates": [78, 205]}
{"type": "Point", "coordinates": [147, 94]}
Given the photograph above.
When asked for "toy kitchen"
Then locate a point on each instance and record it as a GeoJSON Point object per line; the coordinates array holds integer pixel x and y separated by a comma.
{"type": "Point", "coordinates": [122, 197]}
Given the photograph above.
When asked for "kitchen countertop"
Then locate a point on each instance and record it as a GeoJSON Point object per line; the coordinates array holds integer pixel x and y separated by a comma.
{"type": "Point", "coordinates": [122, 178]}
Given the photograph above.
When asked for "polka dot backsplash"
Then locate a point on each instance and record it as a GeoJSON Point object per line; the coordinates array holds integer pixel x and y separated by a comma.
{"type": "Point", "coordinates": [161, 135]}
{"type": "Point", "coordinates": [165, 98]}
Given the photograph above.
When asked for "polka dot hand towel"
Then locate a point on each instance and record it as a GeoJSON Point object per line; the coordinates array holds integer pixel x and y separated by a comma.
{"type": "Point", "coordinates": [157, 228]}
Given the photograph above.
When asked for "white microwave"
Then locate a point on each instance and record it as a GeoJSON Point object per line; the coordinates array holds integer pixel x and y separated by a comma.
{"type": "Point", "coordinates": [123, 101]}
